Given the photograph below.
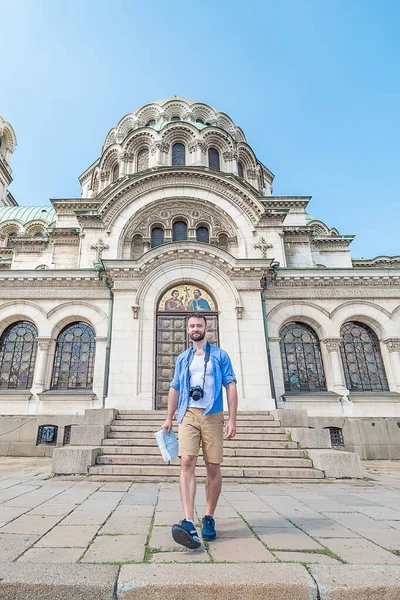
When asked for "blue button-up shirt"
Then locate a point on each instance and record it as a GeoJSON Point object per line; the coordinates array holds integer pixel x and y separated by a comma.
{"type": "Point", "coordinates": [222, 372]}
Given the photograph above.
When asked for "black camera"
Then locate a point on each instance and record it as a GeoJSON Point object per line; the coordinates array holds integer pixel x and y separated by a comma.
{"type": "Point", "coordinates": [196, 392]}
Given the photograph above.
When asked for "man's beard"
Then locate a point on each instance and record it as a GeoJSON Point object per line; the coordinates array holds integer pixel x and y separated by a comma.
{"type": "Point", "coordinates": [197, 336]}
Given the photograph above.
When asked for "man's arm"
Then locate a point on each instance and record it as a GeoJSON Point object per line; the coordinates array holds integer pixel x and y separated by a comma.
{"type": "Point", "coordinates": [231, 395]}
{"type": "Point", "coordinates": [173, 397]}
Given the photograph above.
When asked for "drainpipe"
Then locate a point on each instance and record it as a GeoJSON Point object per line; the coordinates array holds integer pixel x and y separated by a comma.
{"type": "Point", "coordinates": [103, 277]}
{"type": "Point", "coordinates": [266, 282]}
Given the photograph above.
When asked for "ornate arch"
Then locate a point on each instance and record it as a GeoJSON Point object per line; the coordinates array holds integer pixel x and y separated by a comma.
{"type": "Point", "coordinates": [168, 211]}
{"type": "Point", "coordinates": [218, 139]}
{"type": "Point", "coordinates": [183, 133]}
{"type": "Point", "coordinates": [109, 159]}
{"type": "Point", "coordinates": [147, 113]}
{"type": "Point", "coordinates": [202, 111]}
{"type": "Point", "coordinates": [247, 157]}
{"type": "Point", "coordinates": [138, 140]}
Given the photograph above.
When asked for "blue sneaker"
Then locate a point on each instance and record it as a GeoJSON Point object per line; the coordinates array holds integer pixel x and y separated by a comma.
{"type": "Point", "coordinates": [185, 534]}
{"type": "Point", "coordinates": [208, 531]}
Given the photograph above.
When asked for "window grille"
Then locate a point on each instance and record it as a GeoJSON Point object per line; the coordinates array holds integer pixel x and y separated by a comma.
{"type": "Point", "coordinates": [202, 235]}
{"type": "Point", "coordinates": [143, 160]}
{"type": "Point", "coordinates": [74, 358]}
{"type": "Point", "coordinates": [67, 434]}
{"type": "Point", "coordinates": [336, 436]}
{"type": "Point", "coordinates": [301, 359]}
{"type": "Point", "coordinates": [213, 159]}
{"type": "Point", "coordinates": [240, 170]}
{"type": "Point", "coordinates": [362, 360]}
{"type": "Point", "coordinates": [179, 231]}
{"type": "Point", "coordinates": [157, 236]}
{"type": "Point", "coordinates": [17, 356]}
{"type": "Point", "coordinates": [47, 434]}
{"type": "Point", "coordinates": [178, 155]}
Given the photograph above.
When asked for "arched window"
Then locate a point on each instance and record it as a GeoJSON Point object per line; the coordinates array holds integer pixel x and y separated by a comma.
{"type": "Point", "coordinates": [143, 160]}
{"type": "Point", "coordinates": [362, 360]}
{"type": "Point", "coordinates": [10, 240]}
{"type": "Point", "coordinates": [47, 434]}
{"type": "Point", "coordinates": [38, 234]}
{"type": "Point", "coordinates": [179, 231]}
{"type": "Point", "coordinates": [203, 235]}
{"type": "Point", "coordinates": [150, 123]}
{"type": "Point", "coordinates": [303, 370]}
{"type": "Point", "coordinates": [17, 356]}
{"type": "Point", "coordinates": [74, 358]}
{"type": "Point", "coordinates": [175, 118]}
{"type": "Point", "coordinates": [200, 121]}
{"type": "Point", "coordinates": [178, 155]}
{"type": "Point", "coordinates": [115, 173]}
{"type": "Point", "coordinates": [213, 159]}
{"type": "Point", "coordinates": [137, 246]}
{"type": "Point", "coordinates": [240, 170]}
{"type": "Point", "coordinates": [157, 236]}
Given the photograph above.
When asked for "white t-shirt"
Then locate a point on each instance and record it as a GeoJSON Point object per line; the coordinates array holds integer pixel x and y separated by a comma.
{"type": "Point", "coordinates": [196, 372]}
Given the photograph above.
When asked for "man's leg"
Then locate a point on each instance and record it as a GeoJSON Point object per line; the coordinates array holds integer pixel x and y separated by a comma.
{"type": "Point", "coordinates": [213, 487]}
{"type": "Point", "coordinates": [187, 483]}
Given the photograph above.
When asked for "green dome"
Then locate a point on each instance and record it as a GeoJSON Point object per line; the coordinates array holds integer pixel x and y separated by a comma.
{"type": "Point", "coordinates": [24, 214]}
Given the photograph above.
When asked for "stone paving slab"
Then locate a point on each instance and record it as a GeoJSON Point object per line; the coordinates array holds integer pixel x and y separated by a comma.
{"type": "Point", "coordinates": [14, 544]}
{"type": "Point", "coordinates": [42, 582]}
{"type": "Point", "coordinates": [180, 557]}
{"type": "Point", "coordinates": [31, 524]}
{"type": "Point", "coordinates": [51, 555]}
{"type": "Point", "coordinates": [361, 551]}
{"type": "Point", "coordinates": [121, 525]}
{"type": "Point", "coordinates": [246, 550]}
{"type": "Point", "coordinates": [116, 548]}
{"type": "Point", "coordinates": [348, 582]}
{"type": "Point", "coordinates": [306, 557]}
{"type": "Point", "coordinates": [225, 582]}
{"type": "Point", "coordinates": [324, 528]}
{"type": "Point", "coordinates": [68, 536]}
{"type": "Point", "coordinates": [287, 539]}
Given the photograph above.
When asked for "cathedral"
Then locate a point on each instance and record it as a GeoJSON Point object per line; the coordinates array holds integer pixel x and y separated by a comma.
{"type": "Point", "coordinates": [178, 215]}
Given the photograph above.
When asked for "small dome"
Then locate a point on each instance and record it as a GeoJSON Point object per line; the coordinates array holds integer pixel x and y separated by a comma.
{"type": "Point", "coordinates": [24, 214]}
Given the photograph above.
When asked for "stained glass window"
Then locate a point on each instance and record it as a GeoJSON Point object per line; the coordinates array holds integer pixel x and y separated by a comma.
{"type": "Point", "coordinates": [179, 231]}
{"type": "Point", "coordinates": [178, 155]}
{"type": "Point", "coordinates": [74, 358]}
{"type": "Point", "coordinates": [202, 234]}
{"type": "Point", "coordinates": [157, 236]}
{"type": "Point", "coordinates": [47, 434]}
{"type": "Point", "coordinates": [240, 170]}
{"type": "Point", "coordinates": [303, 370]}
{"type": "Point", "coordinates": [362, 360]}
{"type": "Point", "coordinates": [17, 356]}
{"type": "Point", "coordinates": [213, 159]}
{"type": "Point", "coordinates": [200, 121]}
{"type": "Point", "coordinates": [115, 173]}
{"type": "Point", "coordinates": [175, 118]}
{"type": "Point", "coordinates": [143, 160]}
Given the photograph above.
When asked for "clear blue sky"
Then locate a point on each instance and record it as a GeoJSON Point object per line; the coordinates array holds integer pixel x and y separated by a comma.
{"type": "Point", "coordinates": [313, 83]}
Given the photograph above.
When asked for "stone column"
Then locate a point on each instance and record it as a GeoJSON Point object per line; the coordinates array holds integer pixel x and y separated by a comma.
{"type": "Point", "coordinates": [337, 383]}
{"type": "Point", "coordinates": [39, 376]}
{"type": "Point", "coordinates": [393, 349]}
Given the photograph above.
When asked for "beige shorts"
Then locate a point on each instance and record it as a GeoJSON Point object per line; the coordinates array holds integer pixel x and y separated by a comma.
{"type": "Point", "coordinates": [209, 430]}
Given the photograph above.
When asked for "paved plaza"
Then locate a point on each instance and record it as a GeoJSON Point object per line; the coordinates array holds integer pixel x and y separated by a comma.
{"type": "Point", "coordinates": [62, 521]}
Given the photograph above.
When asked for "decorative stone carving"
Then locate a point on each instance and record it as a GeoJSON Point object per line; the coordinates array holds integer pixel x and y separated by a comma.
{"type": "Point", "coordinates": [239, 311]}
{"type": "Point", "coordinates": [99, 247]}
{"type": "Point", "coordinates": [252, 173]}
{"type": "Point", "coordinates": [230, 155]}
{"type": "Point", "coordinates": [274, 340]}
{"type": "Point", "coordinates": [392, 344]}
{"type": "Point", "coordinates": [263, 246]}
{"type": "Point", "coordinates": [43, 343]}
{"type": "Point", "coordinates": [128, 157]}
{"type": "Point", "coordinates": [162, 146]}
{"type": "Point", "coordinates": [104, 175]}
{"type": "Point", "coordinates": [332, 344]}
{"type": "Point", "coordinates": [135, 310]}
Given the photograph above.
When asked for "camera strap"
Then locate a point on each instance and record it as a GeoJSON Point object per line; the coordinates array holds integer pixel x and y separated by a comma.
{"type": "Point", "coordinates": [206, 359]}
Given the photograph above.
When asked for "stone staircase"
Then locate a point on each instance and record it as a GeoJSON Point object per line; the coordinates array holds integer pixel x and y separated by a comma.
{"type": "Point", "coordinates": [261, 450]}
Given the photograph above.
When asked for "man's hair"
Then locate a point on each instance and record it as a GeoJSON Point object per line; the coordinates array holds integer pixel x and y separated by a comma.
{"type": "Point", "coordinates": [196, 316]}
{"type": "Point", "coordinates": [197, 290]}
{"type": "Point", "coordinates": [173, 292]}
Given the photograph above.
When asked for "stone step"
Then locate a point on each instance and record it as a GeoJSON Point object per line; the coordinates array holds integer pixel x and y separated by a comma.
{"type": "Point", "coordinates": [167, 471]}
{"type": "Point", "coordinates": [261, 462]}
{"type": "Point", "coordinates": [248, 444]}
{"type": "Point", "coordinates": [254, 437]}
{"type": "Point", "coordinates": [270, 428]}
{"type": "Point", "coordinates": [246, 452]}
{"type": "Point", "coordinates": [155, 424]}
{"type": "Point", "coordinates": [149, 414]}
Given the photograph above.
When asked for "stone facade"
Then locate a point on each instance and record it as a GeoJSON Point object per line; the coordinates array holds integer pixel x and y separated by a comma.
{"type": "Point", "coordinates": [264, 264]}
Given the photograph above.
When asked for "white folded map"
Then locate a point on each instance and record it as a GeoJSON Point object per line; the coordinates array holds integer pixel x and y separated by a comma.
{"type": "Point", "coordinates": [167, 443]}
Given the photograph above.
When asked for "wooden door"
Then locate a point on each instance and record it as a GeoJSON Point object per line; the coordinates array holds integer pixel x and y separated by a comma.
{"type": "Point", "coordinates": [172, 339]}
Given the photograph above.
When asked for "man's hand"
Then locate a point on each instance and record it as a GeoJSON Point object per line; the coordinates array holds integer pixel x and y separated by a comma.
{"type": "Point", "coordinates": [230, 429]}
{"type": "Point", "coordinates": [167, 425]}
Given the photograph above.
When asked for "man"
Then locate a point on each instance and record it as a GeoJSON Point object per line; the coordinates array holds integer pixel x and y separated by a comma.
{"type": "Point", "coordinates": [196, 391]}
{"type": "Point", "coordinates": [198, 303]}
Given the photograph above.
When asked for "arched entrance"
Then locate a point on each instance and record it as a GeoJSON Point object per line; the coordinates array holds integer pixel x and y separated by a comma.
{"type": "Point", "coordinates": [172, 339]}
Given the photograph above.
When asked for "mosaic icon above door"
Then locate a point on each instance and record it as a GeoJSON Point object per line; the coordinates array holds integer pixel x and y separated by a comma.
{"type": "Point", "coordinates": [186, 298]}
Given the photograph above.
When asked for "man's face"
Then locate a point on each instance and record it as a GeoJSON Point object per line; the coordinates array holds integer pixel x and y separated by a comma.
{"type": "Point", "coordinates": [175, 295]}
{"type": "Point", "coordinates": [196, 329]}
{"type": "Point", "coordinates": [196, 294]}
